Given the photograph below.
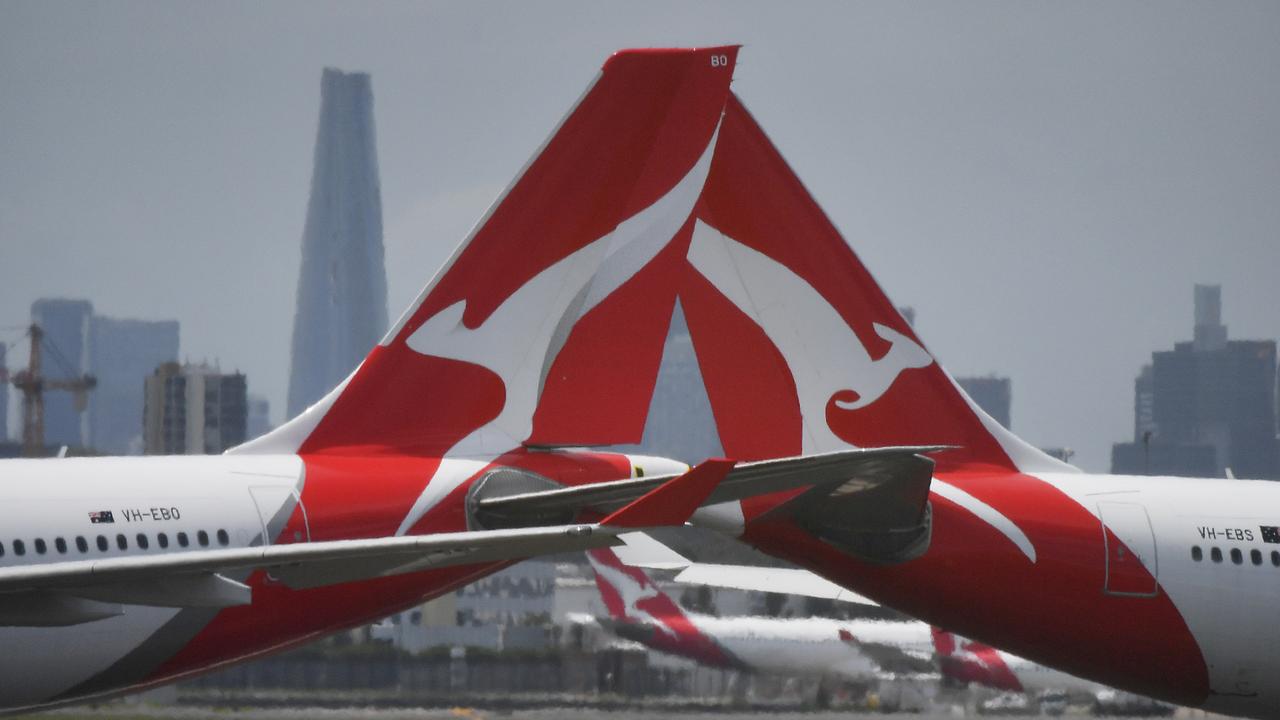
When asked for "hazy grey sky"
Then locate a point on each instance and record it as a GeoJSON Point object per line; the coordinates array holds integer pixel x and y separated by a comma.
{"type": "Point", "coordinates": [1043, 182]}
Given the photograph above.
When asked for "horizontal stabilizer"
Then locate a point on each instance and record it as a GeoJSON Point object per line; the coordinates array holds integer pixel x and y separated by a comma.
{"type": "Point", "coordinates": [642, 551]}
{"type": "Point", "coordinates": [672, 502]}
{"type": "Point", "coordinates": [787, 581]}
{"type": "Point", "coordinates": [867, 467]}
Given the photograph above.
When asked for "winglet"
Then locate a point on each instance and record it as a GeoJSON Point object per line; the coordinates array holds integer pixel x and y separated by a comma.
{"type": "Point", "coordinates": [675, 500]}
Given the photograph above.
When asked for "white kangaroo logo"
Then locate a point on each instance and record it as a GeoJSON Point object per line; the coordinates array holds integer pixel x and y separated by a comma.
{"type": "Point", "coordinates": [521, 338]}
{"type": "Point", "coordinates": [824, 355]}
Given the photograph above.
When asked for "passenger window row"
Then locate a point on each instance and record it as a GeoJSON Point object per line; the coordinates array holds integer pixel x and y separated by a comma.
{"type": "Point", "coordinates": [1237, 555]}
{"type": "Point", "coordinates": [141, 540]}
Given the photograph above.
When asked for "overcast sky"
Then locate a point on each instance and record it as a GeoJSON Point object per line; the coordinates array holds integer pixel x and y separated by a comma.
{"type": "Point", "coordinates": [1043, 182]}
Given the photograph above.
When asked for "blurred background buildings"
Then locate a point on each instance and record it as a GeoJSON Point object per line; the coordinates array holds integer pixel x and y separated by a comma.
{"type": "Point", "coordinates": [1206, 408]}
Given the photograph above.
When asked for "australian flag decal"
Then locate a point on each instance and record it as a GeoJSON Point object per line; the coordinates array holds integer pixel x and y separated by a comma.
{"type": "Point", "coordinates": [1270, 534]}
{"type": "Point", "coordinates": [105, 516]}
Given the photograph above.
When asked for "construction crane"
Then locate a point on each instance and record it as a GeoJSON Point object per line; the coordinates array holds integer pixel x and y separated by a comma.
{"type": "Point", "coordinates": [32, 383]}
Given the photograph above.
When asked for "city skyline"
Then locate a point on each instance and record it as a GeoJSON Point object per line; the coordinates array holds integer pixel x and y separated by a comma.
{"type": "Point", "coordinates": [1043, 183]}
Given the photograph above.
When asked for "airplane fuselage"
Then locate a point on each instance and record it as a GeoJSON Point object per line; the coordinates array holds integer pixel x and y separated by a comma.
{"type": "Point", "coordinates": [1162, 586]}
{"type": "Point", "coordinates": [72, 644]}
{"type": "Point", "coordinates": [814, 646]}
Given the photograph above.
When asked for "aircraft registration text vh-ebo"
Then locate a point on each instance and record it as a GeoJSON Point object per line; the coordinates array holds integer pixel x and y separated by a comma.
{"type": "Point", "coordinates": [457, 446]}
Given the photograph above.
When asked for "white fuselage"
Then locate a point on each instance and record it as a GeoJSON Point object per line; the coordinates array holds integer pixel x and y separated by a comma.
{"type": "Point", "coordinates": [208, 501]}
{"type": "Point", "coordinates": [814, 646]}
{"type": "Point", "coordinates": [1228, 604]}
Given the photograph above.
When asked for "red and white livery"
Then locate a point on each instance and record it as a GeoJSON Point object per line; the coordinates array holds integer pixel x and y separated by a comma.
{"type": "Point", "coordinates": [811, 647]}
{"type": "Point", "coordinates": [545, 331]}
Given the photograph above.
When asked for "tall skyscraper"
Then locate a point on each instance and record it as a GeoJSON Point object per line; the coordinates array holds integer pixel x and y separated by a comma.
{"type": "Point", "coordinates": [259, 417]}
{"type": "Point", "coordinates": [122, 353]}
{"type": "Point", "coordinates": [1205, 406]}
{"type": "Point", "coordinates": [193, 410]}
{"type": "Point", "coordinates": [65, 355]}
{"type": "Point", "coordinates": [993, 394]}
{"type": "Point", "coordinates": [342, 289]}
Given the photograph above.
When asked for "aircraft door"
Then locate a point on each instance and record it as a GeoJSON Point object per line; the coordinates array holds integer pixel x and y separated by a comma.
{"type": "Point", "coordinates": [275, 504]}
{"type": "Point", "coordinates": [1130, 546]}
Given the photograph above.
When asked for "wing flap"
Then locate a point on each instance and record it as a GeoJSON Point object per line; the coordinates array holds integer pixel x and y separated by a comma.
{"type": "Point", "coordinates": [789, 581]}
{"type": "Point", "coordinates": [208, 590]}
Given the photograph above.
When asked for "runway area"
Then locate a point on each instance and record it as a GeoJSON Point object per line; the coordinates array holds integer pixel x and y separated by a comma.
{"type": "Point", "coordinates": [122, 711]}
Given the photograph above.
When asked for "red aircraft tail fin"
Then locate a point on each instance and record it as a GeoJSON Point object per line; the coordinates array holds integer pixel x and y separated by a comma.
{"type": "Point", "coordinates": [567, 284]}
{"type": "Point", "coordinates": [968, 661]}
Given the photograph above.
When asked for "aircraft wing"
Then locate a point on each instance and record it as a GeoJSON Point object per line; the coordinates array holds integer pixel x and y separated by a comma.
{"type": "Point", "coordinates": [642, 551]}
{"type": "Point", "coordinates": [859, 466]}
{"type": "Point", "coordinates": [787, 581]}
{"type": "Point", "coordinates": [72, 592]}
{"type": "Point", "coordinates": [895, 660]}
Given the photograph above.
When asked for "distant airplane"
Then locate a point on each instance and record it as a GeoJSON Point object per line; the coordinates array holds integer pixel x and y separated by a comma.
{"type": "Point", "coordinates": [119, 574]}
{"type": "Point", "coordinates": [813, 646]}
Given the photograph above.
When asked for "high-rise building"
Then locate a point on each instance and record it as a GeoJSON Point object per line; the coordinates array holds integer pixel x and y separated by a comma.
{"type": "Point", "coordinates": [680, 424]}
{"type": "Point", "coordinates": [342, 289]}
{"type": "Point", "coordinates": [259, 420]}
{"type": "Point", "coordinates": [993, 394]}
{"type": "Point", "coordinates": [122, 353]}
{"type": "Point", "coordinates": [193, 410]}
{"type": "Point", "coordinates": [1206, 406]}
{"type": "Point", "coordinates": [65, 357]}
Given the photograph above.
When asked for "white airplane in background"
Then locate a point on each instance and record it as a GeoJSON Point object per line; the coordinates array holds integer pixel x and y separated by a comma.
{"type": "Point", "coordinates": [860, 650]}
{"type": "Point", "coordinates": [855, 650]}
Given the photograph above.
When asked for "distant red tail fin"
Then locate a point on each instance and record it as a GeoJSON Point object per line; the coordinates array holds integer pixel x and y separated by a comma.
{"type": "Point", "coordinates": [968, 661]}
{"type": "Point", "coordinates": [627, 592]}
{"type": "Point", "coordinates": [645, 614]}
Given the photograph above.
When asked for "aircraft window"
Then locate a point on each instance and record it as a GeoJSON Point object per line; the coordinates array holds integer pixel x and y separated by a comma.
{"type": "Point", "coordinates": [60, 544]}
{"type": "Point", "coordinates": [1275, 558]}
{"type": "Point", "coordinates": [202, 537]}
{"type": "Point", "coordinates": [1196, 554]}
{"type": "Point", "coordinates": [40, 546]}
{"type": "Point", "coordinates": [1, 549]}
{"type": "Point", "coordinates": [19, 547]}
{"type": "Point", "coordinates": [182, 539]}
{"type": "Point", "coordinates": [81, 544]}
{"type": "Point", "coordinates": [102, 543]}
{"type": "Point", "coordinates": [1255, 556]}
{"type": "Point", "coordinates": [223, 538]}
{"type": "Point", "coordinates": [163, 540]}
{"type": "Point", "coordinates": [122, 542]}
{"type": "Point", "coordinates": [1237, 557]}
{"type": "Point", "coordinates": [1216, 554]}
{"type": "Point", "coordinates": [142, 541]}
